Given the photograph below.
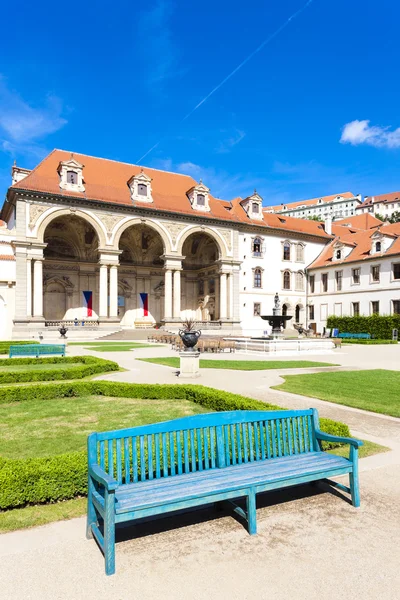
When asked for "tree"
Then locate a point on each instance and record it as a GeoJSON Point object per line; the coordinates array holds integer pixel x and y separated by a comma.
{"type": "Point", "coordinates": [395, 217]}
{"type": "Point", "coordinates": [315, 218]}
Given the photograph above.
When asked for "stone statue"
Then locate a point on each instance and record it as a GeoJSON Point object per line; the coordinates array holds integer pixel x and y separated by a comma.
{"type": "Point", "coordinates": [277, 303]}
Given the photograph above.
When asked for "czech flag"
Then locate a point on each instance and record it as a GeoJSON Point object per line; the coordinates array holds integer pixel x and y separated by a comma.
{"type": "Point", "coordinates": [144, 303]}
{"type": "Point", "coordinates": [88, 303]}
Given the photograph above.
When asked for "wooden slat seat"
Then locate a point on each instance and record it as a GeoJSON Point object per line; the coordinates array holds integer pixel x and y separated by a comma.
{"type": "Point", "coordinates": [158, 468]}
{"type": "Point", "coordinates": [147, 494]}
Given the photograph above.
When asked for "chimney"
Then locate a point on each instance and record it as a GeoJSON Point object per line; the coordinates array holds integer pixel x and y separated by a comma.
{"type": "Point", "coordinates": [328, 225]}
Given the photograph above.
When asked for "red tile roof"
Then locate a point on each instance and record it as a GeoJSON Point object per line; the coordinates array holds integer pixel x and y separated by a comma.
{"type": "Point", "coordinates": [361, 242]}
{"type": "Point", "coordinates": [311, 201]}
{"type": "Point", "coordinates": [364, 221]}
{"type": "Point", "coordinates": [385, 198]}
{"type": "Point", "coordinates": [7, 257]}
{"type": "Point", "coordinates": [106, 181]}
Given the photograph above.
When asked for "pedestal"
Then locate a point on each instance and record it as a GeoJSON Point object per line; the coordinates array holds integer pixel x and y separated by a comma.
{"type": "Point", "coordinates": [190, 365]}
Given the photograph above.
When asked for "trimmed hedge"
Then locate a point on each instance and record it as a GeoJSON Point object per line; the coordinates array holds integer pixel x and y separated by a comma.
{"type": "Point", "coordinates": [379, 326]}
{"type": "Point", "coordinates": [91, 365]}
{"type": "Point", "coordinates": [368, 342]}
{"type": "Point", "coordinates": [49, 479]}
{"type": "Point", "coordinates": [5, 346]}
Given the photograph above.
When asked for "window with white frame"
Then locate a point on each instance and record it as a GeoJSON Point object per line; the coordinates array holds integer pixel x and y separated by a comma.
{"type": "Point", "coordinates": [257, 309]}
{"type": "Point", "coordinates": [286, 280]}
{"type": "Point", "coordinates": [355, 275]}
{"type": "Point", "coordinates": [299, 253]}
{"type": "Point", "coordinates": [311, 312]}
{"type": "Point", "coordinates": [257, 278]}
{"type": "Point", "coordinates": [339, 280]}
{"type": "Point", "coordinates": [396, 271]}
{"type": "Point", "coordinates": [396, 307]}
{"type": "Point", "coordinates": [257, 246]}
{"type": "Point", "coordinates": [312, 283]}
{"type": "Point", "coordinates": [375, 273]}
{"type": "Point", "coordinates": [355, 306]}
{"type": "Point", "coordinates": [300, 281]}
{"type": "Point", "coordinates": [286, 250]}
{"type": "Point", "coordinates": [324, 282]}
{"type": "Point", "coordinates": [375, 307]}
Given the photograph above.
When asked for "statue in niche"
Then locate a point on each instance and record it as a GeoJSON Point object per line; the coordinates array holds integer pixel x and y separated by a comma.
{"type": "Point", "coordinates": [203, 310]}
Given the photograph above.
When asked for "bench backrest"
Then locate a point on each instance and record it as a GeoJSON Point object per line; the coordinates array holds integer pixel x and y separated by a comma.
{"type": "Point", "coordinates": [36, 349]}
{"type": "Point", "coordinates": [202, 442]}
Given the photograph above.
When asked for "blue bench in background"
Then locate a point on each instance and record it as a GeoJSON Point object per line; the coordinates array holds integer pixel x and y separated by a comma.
{"type": "Point", "coordinates": [355, 336]}
{"type": "Point", "coordinates": [37, 350]}
{"type": "Point", "coordinates": [162, 467]}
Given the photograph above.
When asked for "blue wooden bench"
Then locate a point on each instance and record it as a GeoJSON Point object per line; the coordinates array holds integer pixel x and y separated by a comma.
{"type": "Point", "coordinates": [163, 467]}
{"type": "Point", "coordinates": [37, 350]}
{"type": "Point", "coordinates": [355, 336]}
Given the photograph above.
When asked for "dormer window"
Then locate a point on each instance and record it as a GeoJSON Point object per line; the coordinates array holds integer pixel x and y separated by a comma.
{"type": "Point", "coordinates": [198, 196]}
{"type": "Point", "coordinates": [378, 247]}
{"type": "Point", "coordinates": [255, 207]}
{"type": "Point", "coordinates": [140, 187]}
{"type": "Point", "coordinates": [338, 254]}
{"type": "Point", "coordinates": [71, 175]}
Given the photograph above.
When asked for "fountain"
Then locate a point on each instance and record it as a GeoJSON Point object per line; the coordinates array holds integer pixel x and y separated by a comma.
{"type": "Point", "coordinates": [276, 320]}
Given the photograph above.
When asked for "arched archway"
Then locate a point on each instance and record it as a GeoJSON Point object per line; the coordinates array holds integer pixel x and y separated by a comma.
{"type": "Point", "coordinates": [207, 231]}
{"type": "Point", "coordinates": [141, 275]}
{"type": "Point", "coordinates": [200, 282]}
{"type": "Point", "coordinates": [55, 214]}
{"type": "Point", "coordinates": [70, 269]}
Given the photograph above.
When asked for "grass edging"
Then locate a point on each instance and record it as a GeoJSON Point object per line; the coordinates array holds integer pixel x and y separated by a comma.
{"type": "Point", "coordinates": [240, 365]}
{"type": "Point", "coordinates": [91, 365]}
{"type": "Point", "coordinates": [64, 476]}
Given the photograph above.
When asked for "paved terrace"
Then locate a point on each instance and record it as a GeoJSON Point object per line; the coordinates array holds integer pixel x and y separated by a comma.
{"type": "Point", "coordinates": [310, 541]}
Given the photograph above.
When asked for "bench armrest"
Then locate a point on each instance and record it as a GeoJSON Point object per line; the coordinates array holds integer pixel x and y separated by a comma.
{"type": "Point", "coordinates": [326, 437]}
{"type": "Point", "coordinates": [102, 477]}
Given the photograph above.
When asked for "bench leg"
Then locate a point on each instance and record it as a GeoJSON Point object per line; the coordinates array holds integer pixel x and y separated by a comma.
{"type": "Point", "coordinates": [251, 512]}
{"type": "Point", "coordinates": [91, 512]}
{"type": "Point", "coordinates": [353, 478]}
{"type": "Point", "coordinates": [109, 533]}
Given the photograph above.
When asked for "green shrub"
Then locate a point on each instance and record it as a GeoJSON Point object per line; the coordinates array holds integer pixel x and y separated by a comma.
{"type": "Point", "coordinates": [40, 480]}
{"type": "Point", "coordinates": [5, 346]}
{"type": "Point", "coordinates": [368, 342]}
{"type": "Point", "coordinates": [90, 366]}
{"type": "Point", "coordinates": [379, 326]}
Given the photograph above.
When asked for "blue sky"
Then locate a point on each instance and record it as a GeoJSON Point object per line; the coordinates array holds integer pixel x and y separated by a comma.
{"type": "Point", "coordinates": [315, 111]}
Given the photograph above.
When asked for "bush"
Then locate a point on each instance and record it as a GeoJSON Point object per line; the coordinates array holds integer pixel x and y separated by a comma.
{"type": "Point", "coordinates": [368, 342]}
{"type": "Point", "coordinates": [40, 480]}
{"type": "Point", "coordinates": [379, 326]}
{"type": "Point", "coordinates": [90, 366]}
{"type": "Point", "coordinates": [5, 346]}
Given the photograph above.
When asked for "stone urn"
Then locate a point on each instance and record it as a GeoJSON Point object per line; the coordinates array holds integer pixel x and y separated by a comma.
{"type": "Point", "coordinates": [189, 335]}
{"type": "Point", "coordinates": [63, 331]}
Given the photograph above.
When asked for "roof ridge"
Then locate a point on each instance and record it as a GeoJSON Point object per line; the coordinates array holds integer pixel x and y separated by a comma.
{"type": "Point", "coordinates": [121, 162]}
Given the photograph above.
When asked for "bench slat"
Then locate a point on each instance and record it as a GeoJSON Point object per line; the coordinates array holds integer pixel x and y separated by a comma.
{"type": "Point", "coordinates": [127, 461]}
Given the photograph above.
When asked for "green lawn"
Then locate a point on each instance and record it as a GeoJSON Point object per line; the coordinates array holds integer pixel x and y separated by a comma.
{"type": "Point", "coordinates": [376, 390]}
{"type": "Point", "coordinates": [33, 516]}
{"type": "Point", "coordinates": [241, 365]}
{"type": "Point", "coordinates": [42, 428]}
{"type": "Point", "coordinates": [112, 347]}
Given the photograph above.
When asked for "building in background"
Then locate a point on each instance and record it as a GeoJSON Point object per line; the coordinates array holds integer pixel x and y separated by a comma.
{"type": "Point", "coordinates": [384, 205]}
{"type": "Point", "coordinates": [358, 273]}
{"type": "Point", "coordinates": [336, 206]}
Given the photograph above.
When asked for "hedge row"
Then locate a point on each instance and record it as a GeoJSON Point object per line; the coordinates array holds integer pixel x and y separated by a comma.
{"type": "Point", "coordinates": [5, 346]}
{"type": "Point", "coordinates": [91, 365]}
{"type": "Point", "coordinates": [379, 326]}
{"type": "Point", "coordinates": [49, 479]}
{"type": "Point", "coordinates": [368, 342]}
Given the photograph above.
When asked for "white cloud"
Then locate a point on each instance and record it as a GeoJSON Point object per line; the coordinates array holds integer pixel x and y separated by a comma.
{"type": "Point", "coordinates": [23, 126]}
{"type": "Point", "coordinates": [361, 132]}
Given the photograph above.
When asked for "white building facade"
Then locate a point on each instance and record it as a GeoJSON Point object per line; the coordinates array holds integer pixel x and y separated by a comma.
{"type": "Point", "coordinates": [337, 206]}
{"type": "Point", "coordinates": [384, 205]}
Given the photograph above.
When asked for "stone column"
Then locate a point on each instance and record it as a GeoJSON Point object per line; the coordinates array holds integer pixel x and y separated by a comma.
{"type": "Point", "coordinates": [230, 307]}
{"type": "Point", "coordinates": [29, 287]}
{"type": "Point", "coordinates": [103, 291]}
{"type": "Point", "coordinates": [113, 291]}
{"type": "Point", "coordinates": [168, 294]}
{"type": "Point", "coordinates": [177, 294]}
{"type": "Point", "coordinates": [222, 296]}
{"type": "Point", "coordinates": [235, 294]}
{"type": "Point", "coordinates": [38, 288]}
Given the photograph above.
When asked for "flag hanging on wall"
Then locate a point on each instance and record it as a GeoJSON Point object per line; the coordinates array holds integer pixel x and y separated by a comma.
{"type": "Point", "coordinates": [88, 303]}
{"type": "Point", "coordinates": [144, 303]}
